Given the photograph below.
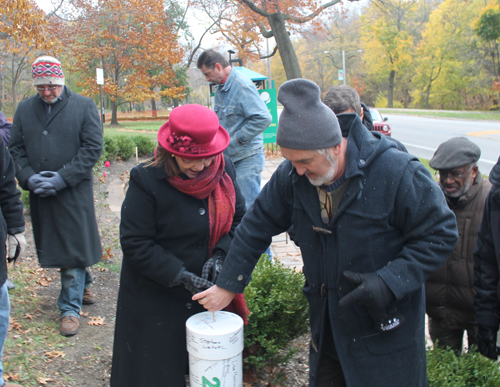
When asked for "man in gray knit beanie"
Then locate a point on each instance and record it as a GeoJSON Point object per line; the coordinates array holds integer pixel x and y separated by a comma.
{"type": "Point", "coordinates": [371, 224]}
{"type": "Point", "coordinates": [306, 124]}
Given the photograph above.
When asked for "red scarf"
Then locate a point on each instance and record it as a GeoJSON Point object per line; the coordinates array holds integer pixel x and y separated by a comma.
{"type": "Point", "coordinates": [213, 182]}
{"type": "Point", "coordinates": [216, 185]}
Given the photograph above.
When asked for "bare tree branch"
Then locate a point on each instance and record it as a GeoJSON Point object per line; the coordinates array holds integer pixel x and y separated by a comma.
{"type": "Point", "coordinates": [256, 9]}
{"type": "Point", "coordinates": [275, 50]}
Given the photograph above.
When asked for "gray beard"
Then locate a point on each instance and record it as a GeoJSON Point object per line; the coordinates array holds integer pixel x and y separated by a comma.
{"type": "Point", "coordinates": [328, 178]}
{"type": "Point", "coordinates": [461, 191]}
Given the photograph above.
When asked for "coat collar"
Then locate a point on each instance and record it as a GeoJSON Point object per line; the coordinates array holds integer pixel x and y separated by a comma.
{"type": "Point", "coordinates": [227, 83]}
{"type": "Point", "coordinates": [469, 195]}
{"type": "Point", "coordinates": [363, 147]}
{"type": "Point", "coordinates": [38, 106]}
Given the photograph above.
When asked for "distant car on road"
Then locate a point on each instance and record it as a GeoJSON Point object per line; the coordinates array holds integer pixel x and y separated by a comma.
{"type": "Point", "coordinates": [380, 123]}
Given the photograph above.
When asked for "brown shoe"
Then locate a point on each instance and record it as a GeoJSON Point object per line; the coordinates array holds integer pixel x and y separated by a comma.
{"type": "Point", "coordinates": [88, 297]}
{"type": "Point", "coordinates": [69, 325]}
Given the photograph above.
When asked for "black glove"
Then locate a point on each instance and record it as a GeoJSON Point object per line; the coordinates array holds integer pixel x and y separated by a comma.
{"type": "Point", "coordinates": [213, 266]}
{"type": "Point", "coordinates": [193, 283]}
{"type": "Point", "coordinates": [487, 342]}
{"type": "Point", "coordinates": [54, 178]}
{"type": "Point", "coordinates": [373, 293]}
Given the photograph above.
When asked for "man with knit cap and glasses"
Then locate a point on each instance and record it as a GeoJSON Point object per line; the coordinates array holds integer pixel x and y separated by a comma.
{"type": "Point", "coordinates": [372, 225]}
{"type": "Point", "coordinates": [56, 140]}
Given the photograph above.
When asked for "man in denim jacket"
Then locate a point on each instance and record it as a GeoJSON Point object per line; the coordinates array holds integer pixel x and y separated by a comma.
{"type": "Point", "coordinates": [244, 115]}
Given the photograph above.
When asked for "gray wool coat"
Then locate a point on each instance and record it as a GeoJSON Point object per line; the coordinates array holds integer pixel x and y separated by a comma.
{"type": "Point", "coordinates": [68, 142]}
{"type": "Point", "coordinates": [392, 220]}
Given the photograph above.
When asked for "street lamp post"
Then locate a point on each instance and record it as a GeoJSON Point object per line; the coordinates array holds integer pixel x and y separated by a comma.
{"type": "Point", "coordinates": [343, 61]}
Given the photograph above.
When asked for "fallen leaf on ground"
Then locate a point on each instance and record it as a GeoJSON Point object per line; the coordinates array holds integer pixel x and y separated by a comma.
{"type": "Point", "coordinates": [27, 315]}
{"type": "Point", "coordinates": [96, 320]}
{"type": "Point", "coordinates": [14, 377]}
{"type": "Point", "coordinates": [44, 381]}
{"type": "Point", "coordinates": [43, 282]}
{"type": "Point", "coordinates": [84, 314]}
{"type": "Point", "coordinates": [14, 325]}
{"type": "Point", "coordinates": [53, 354]}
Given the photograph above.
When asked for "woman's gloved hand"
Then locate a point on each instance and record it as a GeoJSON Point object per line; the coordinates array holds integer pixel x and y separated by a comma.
{"type": "Point", "coordinates": [193, 283]}
{"type": "Point", "coordinates": [213, 266]}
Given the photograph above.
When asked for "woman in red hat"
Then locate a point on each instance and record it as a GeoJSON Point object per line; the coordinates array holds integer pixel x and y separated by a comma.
{"type": "Point", "coordinates": [177, 222]}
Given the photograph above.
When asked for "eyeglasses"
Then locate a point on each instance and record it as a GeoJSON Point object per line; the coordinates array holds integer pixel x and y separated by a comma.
{"type": "Point", "coordinates": [444, 173]}
{"type": "Point", "coordinates": [197, 161]}
{"type": "Point", "coordinates": [49, 88]}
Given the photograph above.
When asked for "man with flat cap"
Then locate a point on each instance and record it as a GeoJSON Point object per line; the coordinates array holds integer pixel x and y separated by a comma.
{"type": "Point", "coordinates": [449, 292]}
{"type": "Point", "coordinates": [372, 225]}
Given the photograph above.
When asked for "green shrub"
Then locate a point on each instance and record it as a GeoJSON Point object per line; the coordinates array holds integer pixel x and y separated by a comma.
{"type": "Point", "coordinates": [279, 313]}
{"type": "Point", "coordinates": [145, 145]}
{"type": "Point", "coordinates": [110, 148]}
{"type": "Point", "coordinates": [472, 369]}
{"type": "Point", "coordinates": [25, 198]}
{"type": "Point", "coordinates": [126, 147]}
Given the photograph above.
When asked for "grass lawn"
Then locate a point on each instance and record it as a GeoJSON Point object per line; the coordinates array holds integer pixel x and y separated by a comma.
{"type": "Point", "coordinates": [132, 128]}
{"type": "Point", "coordinates": [483, 116]}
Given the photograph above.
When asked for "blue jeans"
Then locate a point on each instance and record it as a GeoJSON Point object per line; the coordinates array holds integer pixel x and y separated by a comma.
{"type": "Point", "coordinates": [248, 177]}
{"type": "Point", "coordinates": [73, 283]}
{"type": "Point", "coordinates": [4, 323]}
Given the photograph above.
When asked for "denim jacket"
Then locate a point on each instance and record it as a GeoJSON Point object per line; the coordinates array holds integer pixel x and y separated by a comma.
{"type": "Point", "coordinates": [243, 114]}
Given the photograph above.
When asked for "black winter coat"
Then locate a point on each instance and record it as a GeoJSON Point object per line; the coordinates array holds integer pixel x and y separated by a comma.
{"type": "Point", "coordinates": [392, 219]}
{"type": "Point", "coordinates": [487, 258]}
{"type": "Point", "coordinates": [11, 207]}
{"type": "Point", "coordinates": [161, 231]}
{"type": "Point", "coordinates": [68, 142]}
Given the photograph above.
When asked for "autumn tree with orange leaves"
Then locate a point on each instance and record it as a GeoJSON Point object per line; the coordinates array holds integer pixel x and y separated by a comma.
{"type": "Point", "coordinates": [135, 43]}
{"type": "Point", "coordinates": [241, 21]}
{"type": "Point", "coordinates": [23, 30]}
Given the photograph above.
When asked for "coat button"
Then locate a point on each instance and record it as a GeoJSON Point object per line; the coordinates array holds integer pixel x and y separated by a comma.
{"type": "Point", "coordinates": [189, 305]}
{"type": "Point", "coordinates": [362, 161]}
{"type": "Point", "coordinates": [201, 211]}
{"type": "Point", "coordinates": [240, 278]}
{"type": "Point", "coordinates": [45, 132]}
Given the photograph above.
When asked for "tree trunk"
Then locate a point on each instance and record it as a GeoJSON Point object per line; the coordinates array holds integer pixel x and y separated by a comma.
{"type": "Point", "coordinates": [427, 93]}
{"type": "Point", "coordinates": [114, 109]}
{"type": "Point", "coordinates": [175, 102]}
{"type": "Point", "coordinates": [285, 47]}
{"type": "Point", "coordinates": [153, 108]}
{"type": "Point", "coordinates": [390, 91]}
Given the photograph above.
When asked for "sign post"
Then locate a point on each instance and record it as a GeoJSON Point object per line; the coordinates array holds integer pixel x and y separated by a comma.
{"type": "Point", "coordinates": [100, 82]}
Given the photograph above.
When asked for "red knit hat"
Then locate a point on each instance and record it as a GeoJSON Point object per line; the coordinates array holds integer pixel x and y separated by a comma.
{"type": "Point", "coordinates": [193, 132]}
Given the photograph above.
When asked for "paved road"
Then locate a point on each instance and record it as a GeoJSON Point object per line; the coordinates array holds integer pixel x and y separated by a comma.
{"type": "Point", "coordinates": [423, 135]}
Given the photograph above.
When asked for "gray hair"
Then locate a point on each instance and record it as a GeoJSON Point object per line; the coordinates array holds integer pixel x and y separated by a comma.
{"type": "Point", "coordinates": [326, 152]}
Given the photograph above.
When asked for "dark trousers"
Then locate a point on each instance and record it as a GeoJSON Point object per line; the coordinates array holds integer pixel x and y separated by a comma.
{"type": "Point", "coordinates": [330, 371]}
{"type": "Point", "coordinates": [452, 338]}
